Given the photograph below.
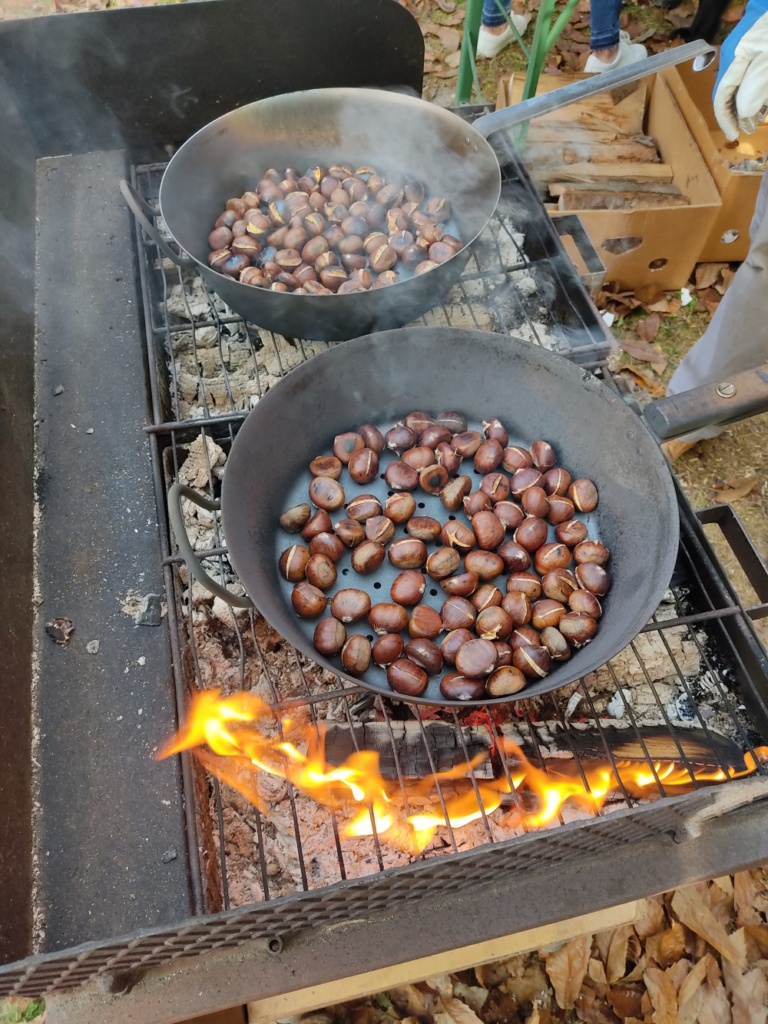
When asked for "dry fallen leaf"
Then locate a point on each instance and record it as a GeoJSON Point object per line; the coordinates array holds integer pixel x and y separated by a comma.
{"type": "Point", "coordinates": [749, 994]}
{"type": "Point", "coordinates": [671, 305]}
{"type": "Point", "coordinates": [566, 968]}
{"type": "Point", "coordinates": [666, 947]}
{"type": "Point", "coordinates": [725, 281]}
{"type": "Point", "coordinates": [745, 889]}
{"type": "Point", "coordinates": [650, 918]}
{"type": "Point", "coordinates": [592, 1009]}
{"type": "Point", "coordinates": [649, 328]}
{"type": "Point", "coordinates": [732, 490]}
{"type": "Point", "coordinates": [616, 960]}
{"type": "Point", "coordinates": [663, 996]}
{"type": "Point", "coordinates": [459, 1012]}
{"type": "Point", "coordinates": [720, 902]}
{"type": "Point", "coordinates": [707, 273]}
{"type": "Point", "coordinates": [649, 293]}
{"type": "Point", "coordinates": [690, 908]}
{"type": "Point", "coordinates": [453, 60]}
{"type": "Point", "coordinates": [645, 378]}
{"type": "Point", "coordinates": [449, 37]}
{"type": "Point", "coordinates": [715, 1008]}
{"type": "Point", "coordinates": [734, 14]}
{"type": "Point", "coordinates": [625, 1000]}
{"type": "Point", "coordinates": [756, 936]}
{"type": "Point", "coordinates": [640, 349]}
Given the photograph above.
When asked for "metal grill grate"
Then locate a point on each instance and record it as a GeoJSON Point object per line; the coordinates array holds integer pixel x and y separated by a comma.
{"type": "Point", "coordinates": [702, 613]}
{"type": "Point", "coordinates": [196, 395]}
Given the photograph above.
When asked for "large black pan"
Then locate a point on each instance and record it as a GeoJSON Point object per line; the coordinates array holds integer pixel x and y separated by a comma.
{"type": "Point", "coordinates": [386, 130]}
{"type": "Point", "coordinates": [381, 378]}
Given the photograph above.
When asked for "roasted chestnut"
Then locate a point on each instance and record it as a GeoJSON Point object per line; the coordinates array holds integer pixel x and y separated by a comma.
{"type": "Point", "coordinates": [326, 465]}
{"type": "Point", "coordinates": [532, 661]}
{"type": "Point", "coordinates": [400, 507]}
{"type": "Point", "coordinates": [372, 437]}
{"type": "Point", "coordinates": [326, 493]}
{"type": "Point", "coordinates": [424, 528]}
{"type": "Point", "coordinates": [571, 532]}
{"type": "Point", "coordinates": [517, 606]}
{"type": "Point", "coordinates": [401, 477]}
{"type": "Point", "coordinates": [556, 481]}
{"type": "Point", "coordinates": [577, 628]}
{"type": "Point", "coordinates": [543, 455]}
{"type": "Point", "coordinates": [467, 443]}
{"type": "Point", "coordinates": [551, 556]}
{"type": "Point", "coordinates": [458, 535]}
{"type": "Point", "coordinates": [486, 596]}
{"type": "Point", "coordinates": [584, 601]}
{"type": "Point", "coordinates": [561, 509]}
{"type": "Point", "coordinates": [559, 584]}
{"type": "Point", "coordinates": [591, 551]}
{"type": "Point", "coordinates": [367, 557]}
{"type": "Point", "coordinates": [293, 563]}
{"type": "Point", "coordinates": [443, 563]}
{"type": "Point", "coordinates": [400, 438]}
{"type": "Point", "coordinates": [516, 457]}
{"type": "Point", "coordinates": [296, 517]}
{"type": "Point", "coordinates": [510, 514]}
{"type": "Point", "coordinates": [594, 578]}
{"type": "Point", "coordinates": [380, 529]}
{"type": "Point", "coordinates": [387, 617]}
{"type": "Point", "coordinates": [583, 494]}
{"type": "Point", "coordinates": [527, 583]}
{"type": "Point", "coordinates": [546, 612]}
{"type": "Point", "coordinates": [433, 479]}
{"type": "Point", "coordinates": [530, 535]}
{"type": "Point", "coordinates": [488, 530]}
{"type": "Point", "coordinates": [364, 507]}
{"type": "Point", "coordinates": [452, 420]}
{"type": "Point", "coordinates": [496, 486]}
{"type": "Point", "coordinates": [329, 636]}
{"type": "Point", "coordinates": [453, 641]}
{"type": "Point", "coordinates": [455, 686]}
{"type": "Point", "coordinates": [356, 655]}
{"type": "Point", "coordinates": [406, 678]}
{"type": "Point", "coordinates": [320, 522]}
{"type": "Point", "coordinates": [408, 553]}
{"type": "Point", "coordinates": [363, 466]}
{"type": "Point", "coordinates": [327, 544]}
{"type": "Point", "coordinates": [419, 458]}
{"type": "Point", "coordinates": [514, 556]}
{"type": "Point", "coordinates": [308, 601]}
{"type": "Point", "coordinates": [425, 621]}
{"type": "Point", "coordinates": [454, 492]}
{"type": "Point", "coordinates": [458, 613]}
{"type": "Point", "coordinates": [476, 658]}
{"type": "Point", "coordinates": [387, 648]}
{"type": "Point", "coordinates": [487, 564]}
{"type": "Point", "coordinates": [505, 681]}
{"type": "Point", "coordinates": [556, 644]}
{"type": "Point", "coordinates": [477, 501]}
{"type": "Point", "coordinates": [494, 623]}
{"type": "Point", "coordinates": [408, 587]}
{"type": "Point", "coordinates": [350, 532]}
{"type": "Point", "coordinates": [459, 586]}
{"type": "Point", "coordinates": [488, 456]}
{"type": "Point", "coordinates": [425, 653]}
{"type": "Point", "coordinates": [349, 605]}
{"type": "Point", "coordinates": [320, 572]}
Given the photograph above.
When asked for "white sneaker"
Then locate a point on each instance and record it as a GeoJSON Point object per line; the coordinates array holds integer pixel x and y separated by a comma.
{"type": "Point", "coordinates": [490, 45]}
{"type": "Point", "coordinates": [629, 52]}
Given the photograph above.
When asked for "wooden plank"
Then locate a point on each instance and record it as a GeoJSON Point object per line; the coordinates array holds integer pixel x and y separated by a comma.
{"type": "Point", "coordinates": [290, 1004]}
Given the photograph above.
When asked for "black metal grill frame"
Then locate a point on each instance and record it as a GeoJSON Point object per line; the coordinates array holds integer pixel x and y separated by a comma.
{"type": "Point", "coordinates": [717, 609]}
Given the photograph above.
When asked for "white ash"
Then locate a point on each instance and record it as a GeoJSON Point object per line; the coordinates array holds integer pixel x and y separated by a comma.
{"type": "Point", "coordinates": [204, 463]}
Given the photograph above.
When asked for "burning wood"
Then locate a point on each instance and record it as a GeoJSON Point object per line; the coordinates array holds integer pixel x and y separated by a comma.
{"type": "Point", "coordinates": [244, 739]}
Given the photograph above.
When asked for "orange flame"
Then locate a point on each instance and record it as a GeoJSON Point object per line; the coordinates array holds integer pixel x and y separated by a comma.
{"type": "Point", "coordinates": [244, 737]}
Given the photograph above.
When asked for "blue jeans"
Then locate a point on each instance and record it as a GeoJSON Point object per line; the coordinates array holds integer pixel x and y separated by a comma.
{"type": "Point", "coordinates": [604, 21]}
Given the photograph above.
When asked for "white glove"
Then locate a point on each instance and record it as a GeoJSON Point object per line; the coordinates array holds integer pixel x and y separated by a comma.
{"type": "Point", "coordinates": [741, 90]}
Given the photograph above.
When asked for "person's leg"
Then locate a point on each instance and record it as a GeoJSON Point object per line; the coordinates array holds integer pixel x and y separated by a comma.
{"type": "Point", "coordinates": [495, 34]}
{"type": "Point", "coordinates": [604, 27]}
{"type": "Point", "coordinates": [610, 47]}
{"type": "Point", "coordinates": [492, 16]}
{"type": "Point", "coordinates": [737, 336]}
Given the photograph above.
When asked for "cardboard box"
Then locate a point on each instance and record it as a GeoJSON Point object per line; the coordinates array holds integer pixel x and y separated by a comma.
{"type": "Point", "coordinates": [646, 245]}
{"type": "Point", "coordinates": [728, 239]}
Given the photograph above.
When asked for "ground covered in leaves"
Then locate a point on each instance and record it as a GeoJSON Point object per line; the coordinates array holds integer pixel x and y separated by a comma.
{"type": "Point", "coordinates": [694, 956]}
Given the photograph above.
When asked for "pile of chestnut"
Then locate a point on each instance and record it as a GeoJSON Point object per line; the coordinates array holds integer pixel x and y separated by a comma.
{"type": "Point", "coordinates": [521, 577]}
{"type": "Point", "coordinates": [331, 230]}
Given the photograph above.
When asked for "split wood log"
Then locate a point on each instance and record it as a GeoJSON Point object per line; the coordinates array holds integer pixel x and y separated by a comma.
{"type": "Point", "coordinates": [409, 746]}
{"type": "Point", "coordinates": [632, 170]}
{"type": "Point", "coordinates": [707, 751]}
{"type": "Point", "coordinates": [611, 152]}
{"type": "Point", "coordinates": [615, 200]}
{"type": "Point", "coordinates": [557, 188]}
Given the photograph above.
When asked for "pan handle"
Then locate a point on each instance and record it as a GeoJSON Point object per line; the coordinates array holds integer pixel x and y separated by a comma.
{"type": "Point", "coordinates": [142, 211]}
{"type": "Point", "coordinates": [176, 493]}
{"type": "Point", "coordinates": [700, 52]}
{"type": "Point", "coordinates": [741, 396]}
